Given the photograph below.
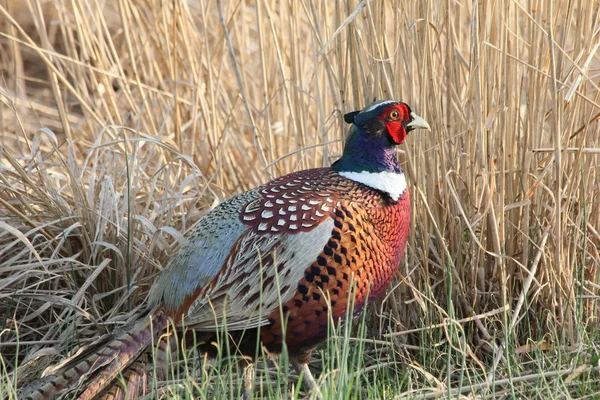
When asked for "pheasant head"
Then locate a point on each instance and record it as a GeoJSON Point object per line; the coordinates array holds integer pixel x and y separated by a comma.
{"type": "Point", "coordinates": [368, 155]}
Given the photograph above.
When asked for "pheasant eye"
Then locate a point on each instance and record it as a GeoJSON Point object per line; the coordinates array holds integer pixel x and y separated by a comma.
{"type": "Point", "coordinates": [394, 115]}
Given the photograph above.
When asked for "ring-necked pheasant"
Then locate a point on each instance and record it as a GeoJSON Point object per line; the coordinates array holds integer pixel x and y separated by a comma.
{"type": "Point", "coordinates": [291, 247]}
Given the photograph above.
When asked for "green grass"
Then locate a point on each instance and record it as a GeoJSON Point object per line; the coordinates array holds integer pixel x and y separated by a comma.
{"type": "Point", "coordinates": [353, 364]}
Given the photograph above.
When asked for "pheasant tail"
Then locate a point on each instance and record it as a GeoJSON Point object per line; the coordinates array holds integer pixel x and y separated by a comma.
{"type": "Point", "coordinates": [97, 365]}
{"type": "Point", "coordinates": [132, 383]}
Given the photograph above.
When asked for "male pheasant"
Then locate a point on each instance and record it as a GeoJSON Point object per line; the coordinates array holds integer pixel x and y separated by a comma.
{"type": "Point", "coordinates": [279, 260]}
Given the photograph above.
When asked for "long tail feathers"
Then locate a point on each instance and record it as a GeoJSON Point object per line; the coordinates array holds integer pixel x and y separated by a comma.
{"type": "Point", "coordinates": [132, 386]}
{"type": "Point", "coordinates": [97, 365]}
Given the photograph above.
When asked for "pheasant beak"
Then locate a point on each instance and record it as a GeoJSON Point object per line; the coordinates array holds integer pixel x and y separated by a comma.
{"type": "Point", "coordinates": [417, 123]}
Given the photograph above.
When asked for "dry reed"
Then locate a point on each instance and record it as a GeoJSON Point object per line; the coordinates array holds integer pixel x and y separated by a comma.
{"type": "Point", "coordinates": [123, 122]}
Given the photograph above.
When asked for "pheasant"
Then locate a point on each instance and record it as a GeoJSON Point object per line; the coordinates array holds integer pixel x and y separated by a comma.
{"type": "Point", "coordinates": [278, 261]}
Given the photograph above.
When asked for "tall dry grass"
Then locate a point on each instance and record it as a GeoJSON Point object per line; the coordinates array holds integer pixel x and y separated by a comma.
{"type": "Point", "coordinates": [123, 122]}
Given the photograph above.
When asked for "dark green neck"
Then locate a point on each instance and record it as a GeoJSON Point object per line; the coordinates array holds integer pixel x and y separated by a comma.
{"type": "Point", "coordinates": [367, 152]}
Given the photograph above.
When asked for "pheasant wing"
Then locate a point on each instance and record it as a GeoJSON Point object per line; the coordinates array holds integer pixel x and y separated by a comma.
{"type": "Point", "coordinates": [247, 255]}
{"type": "Point", "coordinates": [261, 273]}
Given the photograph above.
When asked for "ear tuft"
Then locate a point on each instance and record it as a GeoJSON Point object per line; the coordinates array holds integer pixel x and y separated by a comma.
{"type": "Point", "coordinates": [349, 118]}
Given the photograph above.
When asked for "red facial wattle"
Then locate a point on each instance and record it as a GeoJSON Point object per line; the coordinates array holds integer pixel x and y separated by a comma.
{"type": "Point", "coordinates": [396, 131]}
{"type": "Point", "coordinates": [394, 118]}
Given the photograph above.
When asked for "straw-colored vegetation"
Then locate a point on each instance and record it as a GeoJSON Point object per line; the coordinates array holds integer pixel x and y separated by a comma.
{"type": "Point", "coordinates": [123, 122]}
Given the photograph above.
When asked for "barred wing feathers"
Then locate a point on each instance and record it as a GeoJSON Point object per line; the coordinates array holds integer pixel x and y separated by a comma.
{"type": "Point", "coordinates": [247, 255]}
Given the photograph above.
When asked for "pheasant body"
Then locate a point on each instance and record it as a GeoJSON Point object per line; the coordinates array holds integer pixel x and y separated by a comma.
{"type": "Point", "coordinates": [361, 253]}
{"type": "Point", "coordinates": [281, 260]}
